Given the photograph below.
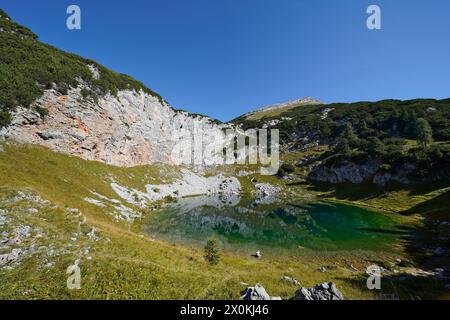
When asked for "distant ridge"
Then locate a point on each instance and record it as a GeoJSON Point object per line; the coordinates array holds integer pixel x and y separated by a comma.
{"type": "Point", "coordinates": [279, 107]}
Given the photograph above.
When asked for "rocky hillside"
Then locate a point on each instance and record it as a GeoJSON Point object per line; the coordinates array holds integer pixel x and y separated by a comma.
{"type": "Point", "coordinates": [380, 142]}
{"type": "Point", "coordinates": [76, 106]}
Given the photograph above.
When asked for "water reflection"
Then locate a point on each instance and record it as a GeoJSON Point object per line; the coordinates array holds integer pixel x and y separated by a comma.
{"type": "Point", "coordinates": [244, 221]}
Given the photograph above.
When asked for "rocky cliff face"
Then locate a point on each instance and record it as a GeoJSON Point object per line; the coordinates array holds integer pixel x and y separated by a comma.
{"type": "Point", "coordinates": [359, 173]}
{"type": "Point", "coordinates": [346, 172]}
{"type": "Point", "coordinates": [129, 129]}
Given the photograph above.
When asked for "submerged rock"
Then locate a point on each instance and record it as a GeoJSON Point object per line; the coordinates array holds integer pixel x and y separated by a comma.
{"type": "Point", "coordinates": [324, 291]}
{"type": "Point", "coordinates": [266, 193]}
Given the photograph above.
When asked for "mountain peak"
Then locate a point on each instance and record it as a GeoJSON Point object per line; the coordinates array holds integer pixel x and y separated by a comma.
{"type": "Point", "coordinates": [281, 107]}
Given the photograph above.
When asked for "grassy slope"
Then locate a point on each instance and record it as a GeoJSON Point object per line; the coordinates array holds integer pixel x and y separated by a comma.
{"type": "Point", "coordinates": [131, 265]}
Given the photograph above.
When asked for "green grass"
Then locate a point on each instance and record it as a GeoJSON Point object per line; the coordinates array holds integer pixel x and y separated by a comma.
{"type": "Point", "coordinates": [129, 265]}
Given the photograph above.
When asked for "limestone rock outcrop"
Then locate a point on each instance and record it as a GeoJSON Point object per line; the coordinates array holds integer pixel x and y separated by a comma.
{"type": "Point", "coordinates": [324, 291]}
{"type": "Point", "coordinates": [129, 129]}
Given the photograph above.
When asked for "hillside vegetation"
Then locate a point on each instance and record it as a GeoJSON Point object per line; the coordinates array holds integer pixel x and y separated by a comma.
{"type": "Point", "coordinates": [395, 135]}
{"type": "Point", "coordinates": [28, 67]}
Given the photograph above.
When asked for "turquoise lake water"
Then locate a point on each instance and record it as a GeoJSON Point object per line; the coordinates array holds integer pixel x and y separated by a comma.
{"type": "Point", "coordinates": [251, 225]}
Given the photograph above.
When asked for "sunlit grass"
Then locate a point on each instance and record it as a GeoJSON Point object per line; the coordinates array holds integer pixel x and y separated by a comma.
{"type": "Point", "coordinates": [134, 266]}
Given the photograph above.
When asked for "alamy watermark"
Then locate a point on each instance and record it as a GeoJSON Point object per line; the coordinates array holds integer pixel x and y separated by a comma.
{"type": "Point", "coordinates": [74, 276]}
{"type": "Point", "coordinates": [214, 147]}
{"type": "Point", "coordinates": [374, 20]}
{"type": "Point", "coordinates": [374, 279]}
{"type": "Point", "coordinates": [73, 22]}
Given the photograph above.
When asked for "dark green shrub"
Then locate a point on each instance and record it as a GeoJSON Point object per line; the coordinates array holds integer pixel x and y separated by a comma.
{"type": "Point", "coordinates": [285, 169]}
{"type": "Point", "coordinates": [42, 112]}
{"type": "Point", "coordinates": [170, 199]}
{"type": "Point", "coordinates": [212, 251]}
{"type": "Point", "coordinates": [5, 118]}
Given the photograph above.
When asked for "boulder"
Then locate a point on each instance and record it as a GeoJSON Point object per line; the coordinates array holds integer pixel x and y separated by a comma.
{"type": "Point", "coordinates": [255, 293]}
{"type": "Point", "coordinates": [9, 258]}
{"type": "Point", "coordinates": [324, 291]}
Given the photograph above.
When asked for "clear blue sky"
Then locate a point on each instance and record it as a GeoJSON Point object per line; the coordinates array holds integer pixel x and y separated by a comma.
{"type": "Point", "coordinates": [225, 57]}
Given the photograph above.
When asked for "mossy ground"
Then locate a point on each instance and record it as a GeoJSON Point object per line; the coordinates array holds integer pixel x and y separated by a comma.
{"type": "Point", "coordinates": [126, 264]}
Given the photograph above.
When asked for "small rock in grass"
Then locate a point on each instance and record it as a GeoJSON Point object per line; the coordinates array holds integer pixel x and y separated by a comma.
{"type": "Point", "coordinates": [28, 292]}
{"type": "Point", "coordinates": [10, 257]}
{"type": "Point", "coordinates": [291, 280]}
{"type": "Point", "coordinates": [258, 255]}
{"type": "Point", "coordinates": [255, 293]}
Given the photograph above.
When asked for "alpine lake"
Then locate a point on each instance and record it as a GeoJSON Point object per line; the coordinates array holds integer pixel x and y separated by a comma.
{"type": "Point", "coordinates": [246, 225]}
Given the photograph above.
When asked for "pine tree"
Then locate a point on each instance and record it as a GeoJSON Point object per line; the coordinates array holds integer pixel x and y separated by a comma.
{"type": "Point", "coordinates": [212, 251]}
{"type": "Point", "coordinates": [349, 135]}
{"type": "Point", "coordinates": [424, 132]}
{"type": "Point", "coordinates": [375, 146]}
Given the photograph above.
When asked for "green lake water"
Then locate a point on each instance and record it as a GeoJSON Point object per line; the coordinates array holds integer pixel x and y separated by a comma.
{"type": "Point", "coordinates": [287, 226]}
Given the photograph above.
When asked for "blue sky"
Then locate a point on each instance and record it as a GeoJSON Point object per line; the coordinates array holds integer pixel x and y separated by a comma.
{"type": "Point", "coordinates": [226, 57]}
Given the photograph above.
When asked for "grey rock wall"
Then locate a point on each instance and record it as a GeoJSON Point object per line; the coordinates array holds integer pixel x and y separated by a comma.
{"type": "Point", "coordinates": [130, 129]}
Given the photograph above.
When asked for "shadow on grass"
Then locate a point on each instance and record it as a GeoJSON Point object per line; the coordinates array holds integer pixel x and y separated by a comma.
{"type": "Point", "coordinates": [437, 208]}
{"type": "Point", "coordinates": [402, 286]}
{"type": "Point", "coordinates": [427, 245]}
{"type": "Point", "coordinates": [365, 191]}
